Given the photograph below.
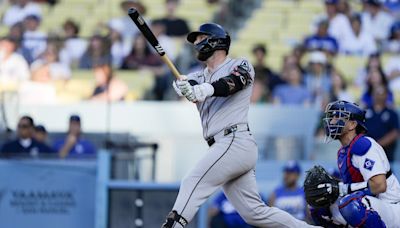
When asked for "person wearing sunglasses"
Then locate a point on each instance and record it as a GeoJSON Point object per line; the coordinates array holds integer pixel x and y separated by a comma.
{"type": "Point", "coordinates": [25, 144]}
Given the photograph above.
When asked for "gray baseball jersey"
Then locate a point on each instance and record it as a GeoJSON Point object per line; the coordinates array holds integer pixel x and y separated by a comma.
{"type": "Point", "coordinates": [218, 113]}
{"type": "Point", "coordinates": [229, 163]}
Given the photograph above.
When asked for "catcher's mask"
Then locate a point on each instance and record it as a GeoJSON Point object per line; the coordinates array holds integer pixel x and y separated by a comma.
{"type": "Point", "coordinates": [337, 114]}
{"type": "Point", "coordinates": [218, 39]}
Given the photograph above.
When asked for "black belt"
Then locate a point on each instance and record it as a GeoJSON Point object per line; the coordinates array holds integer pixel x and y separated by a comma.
{"type": "Point", "coordinates": [227, 131]}
{"type": "Point", "coordinates": [388, 174]}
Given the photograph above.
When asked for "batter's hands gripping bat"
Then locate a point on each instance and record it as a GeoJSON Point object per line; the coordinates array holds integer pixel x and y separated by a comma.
{"type": "Point", "coordinates": [148, 34]}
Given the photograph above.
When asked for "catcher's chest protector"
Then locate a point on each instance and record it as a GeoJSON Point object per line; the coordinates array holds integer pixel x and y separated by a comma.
{"type": "Point", "coordinates": [349, 173]}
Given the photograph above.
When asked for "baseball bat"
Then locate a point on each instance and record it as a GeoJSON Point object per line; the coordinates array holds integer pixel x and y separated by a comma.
{"type": "Point", "coordinates": [148, 34]}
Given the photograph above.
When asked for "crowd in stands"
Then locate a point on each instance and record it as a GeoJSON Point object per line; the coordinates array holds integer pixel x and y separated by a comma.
{"type": "Point", "coordinates": [32, 141]}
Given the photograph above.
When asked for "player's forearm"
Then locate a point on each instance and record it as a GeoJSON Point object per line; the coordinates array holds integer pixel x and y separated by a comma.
{"type": "Point", "coordinates": [377, 184]}
{"type": "Point", "coordinates": [373, 187]}
{"type": "Point", "coordinates": [389, 138]}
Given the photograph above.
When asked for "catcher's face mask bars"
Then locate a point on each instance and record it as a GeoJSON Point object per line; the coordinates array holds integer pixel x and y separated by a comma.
{"type": "Point", "coordinates": [334, 122]}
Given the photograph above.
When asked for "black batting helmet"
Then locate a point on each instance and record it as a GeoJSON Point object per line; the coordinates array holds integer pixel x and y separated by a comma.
{"type": "Point", "coordinates": [218, 38]}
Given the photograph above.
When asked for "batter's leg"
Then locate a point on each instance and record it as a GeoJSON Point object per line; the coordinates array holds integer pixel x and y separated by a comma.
{"type": "Point", "coordinates": [242, 192]}
{"type": "Point", "coordinates": [223, 162]}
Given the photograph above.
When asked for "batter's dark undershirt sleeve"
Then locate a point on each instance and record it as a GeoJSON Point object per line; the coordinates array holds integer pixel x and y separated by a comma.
{"type": "Point", "coordinates": [232, 83]}
{"type": "Point", "coordinates": [193, 82]}
{"type": "Point", "coordinates": [227, 86]}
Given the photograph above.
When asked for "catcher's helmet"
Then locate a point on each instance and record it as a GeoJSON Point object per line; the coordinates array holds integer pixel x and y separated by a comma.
{"type": "Point", "coordinates": [218, 38]}
{"type": "Point", "coordinates": [343, 111]}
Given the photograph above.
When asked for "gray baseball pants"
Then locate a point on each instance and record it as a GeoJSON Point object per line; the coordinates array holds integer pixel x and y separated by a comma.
{"type": "Point", "coordinates": [229, 163]}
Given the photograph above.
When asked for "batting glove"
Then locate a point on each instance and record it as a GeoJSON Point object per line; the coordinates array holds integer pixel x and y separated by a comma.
{"type": "Point", "coordinates": [177, 90]}
{"type": "Point", "coordinates": [202, 91]}
{"type": "Point", "coordinates": [184, 88]}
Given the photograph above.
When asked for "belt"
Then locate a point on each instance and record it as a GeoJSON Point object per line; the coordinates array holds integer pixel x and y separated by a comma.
{"type": "Point", "coordinates": [388, 174]}
{"type": "Point", "coordinates": [237, 127]}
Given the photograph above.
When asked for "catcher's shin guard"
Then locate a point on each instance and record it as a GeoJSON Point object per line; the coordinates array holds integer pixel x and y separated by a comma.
{"type": "Point", "coordinates": [173, 217]}
{"type": "Point", "coordinates": [358, 212]}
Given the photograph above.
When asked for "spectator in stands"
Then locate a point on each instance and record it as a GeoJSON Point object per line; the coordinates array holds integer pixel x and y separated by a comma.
{"type": "Point", "coordinates": [339, 88]}
{"type": "Point", "coordinates": [176, 27]}
{"type": "Point", "coordinates": [34, 39]}
{"type": "Point", "coordinates": [339, 24]}
{"type": "Point", "coordinates": [119, 47]}
{"type": "Point", "coordinates": [318, 79]}
{"type": "Point", "coordinates": [321, 40]}
{"type": "Point", "coordinates": [376, 78]}
{"type": "Point", "coordinates": [48, 67]}
{"type": "Point", "coordinates": [126, 22]}
{"type": "Point", "coordinates": [169, 45]}
{"type": "Point", "coordinates": [373, 62]}
{"type": "Point", "coordinates": [359, 42]}
{"type": "Point", "coordinates": [375, 20]}
{"type": "Point", "coordinates": [392, 45]}
{"type": "Point", "coordinates": [108, 87]}
{"type": "Point", "coordinates": [13, 67]}
{"type": "Point", "coordinates": [98, 52]}
{"type": "Point", "coordinates": [19, 10]}
{"type": "Point", "coordinates": [141, 56]}
{"type": "Point", "coordinates": [294, 92]}
{"type": "Point", "coordinates": [290, 196]}
{"type": "Point", "coordinates": [266, 79]}
{"type": "Point", "coordinates": [17, 32]}
{"type": "Point", "coordinates": [74, 47]}
{"type": "Point", "coordinates": [40, 134]}
{"type": "Point", "coordinates": [344, 7]}
{"type": "Point", "coordinates": [25, 142]}
{"type": "Point", "coordinates": [383, 122]}
{"type": "Point", "coordinates": [392, 69]}
{"type": "Point", "coordinates": [74, 144]}
{"type": "Point", "coordinates": [222, 214]}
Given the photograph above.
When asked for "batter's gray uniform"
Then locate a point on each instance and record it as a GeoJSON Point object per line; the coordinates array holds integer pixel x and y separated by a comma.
{"type": "Point", "coordinates": [231, 160]}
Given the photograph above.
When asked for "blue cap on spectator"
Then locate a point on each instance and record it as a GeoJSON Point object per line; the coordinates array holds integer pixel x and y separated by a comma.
{"type": "Point", "coordinates": [331, 2]}
{"type": "Point", "coordinates": [292, 167]}
{"type": "Point", "coordinates": [75, 118]}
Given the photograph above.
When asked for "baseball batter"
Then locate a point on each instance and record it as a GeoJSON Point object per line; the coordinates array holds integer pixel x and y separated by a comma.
{"type": "Point", "coordinates": [222, 94]}
{"type": "Point", "coordinates": [368, 195]}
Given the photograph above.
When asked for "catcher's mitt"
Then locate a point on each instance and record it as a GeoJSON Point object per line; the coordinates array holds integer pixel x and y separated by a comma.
{"type": "Point", "coordinates": [320, 188]}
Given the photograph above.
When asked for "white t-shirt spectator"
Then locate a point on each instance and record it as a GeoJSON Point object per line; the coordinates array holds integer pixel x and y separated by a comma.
{"type": "Point", "coordinates": [340, 28]}
{"type": "Point", "coordinates": [35, 42]}
{"type": "Point", "coordinates": [73, 50]}
{"type": "Point", "coordinates": [169, 46]}
{"type": "Point", "coordinates": [14, 68]}
{"type": "Point", "coordinates": [378, 26]}
{"type": "Point", "coordinates": [362, 45]}
{"type": "Point", "coordinates": [16, 14]}
{"type": "Point", "coordinates": [57, 70]}
{"type": "Point", "coordinates": [392, 66]}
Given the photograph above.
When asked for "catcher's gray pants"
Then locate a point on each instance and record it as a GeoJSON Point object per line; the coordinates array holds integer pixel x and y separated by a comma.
{"type": "Point", "coordinates": [230, 163]}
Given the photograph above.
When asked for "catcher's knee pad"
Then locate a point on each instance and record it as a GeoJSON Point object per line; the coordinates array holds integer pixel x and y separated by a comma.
{"type": "Point", "coordinates": [357, 211]}
{"type": "Point", "coordinates": [173, 217]}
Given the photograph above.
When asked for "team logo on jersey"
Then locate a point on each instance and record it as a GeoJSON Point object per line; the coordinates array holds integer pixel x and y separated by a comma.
{"type": "Point", "coordinates": [245, 65]}
{"type": "Point", "coordinates": [369, 164]}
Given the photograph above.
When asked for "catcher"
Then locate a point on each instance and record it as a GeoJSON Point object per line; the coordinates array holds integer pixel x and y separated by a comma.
{"type": "Point", "coordinates": [368, 194]}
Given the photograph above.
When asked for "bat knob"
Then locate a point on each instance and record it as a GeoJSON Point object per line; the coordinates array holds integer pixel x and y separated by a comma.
{"type": "Point", "coordinates": [132, 11]}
